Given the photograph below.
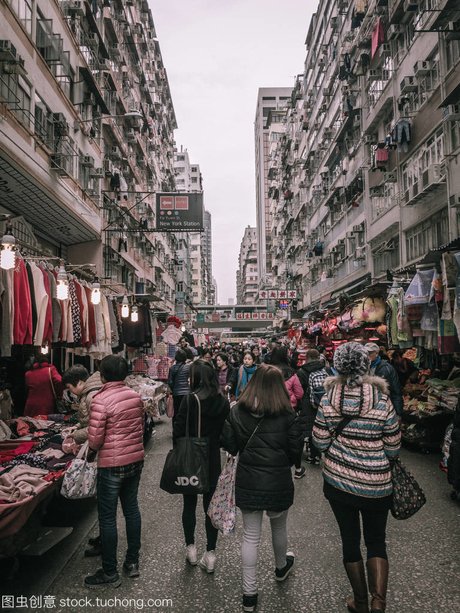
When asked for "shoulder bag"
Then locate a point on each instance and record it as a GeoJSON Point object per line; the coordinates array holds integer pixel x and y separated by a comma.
{"type": "Point", "coordinates": [80, 477]}
{"type": "Point", "coordinates": [186, 468]}
{"type": "Point", "coordinates": [222, 508]}
{"type": "Point", "coordinates": [408, 496]}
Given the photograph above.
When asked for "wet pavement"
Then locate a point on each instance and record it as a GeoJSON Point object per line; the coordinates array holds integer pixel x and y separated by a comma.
{"type": "Point", "coordinates": [424, 555]}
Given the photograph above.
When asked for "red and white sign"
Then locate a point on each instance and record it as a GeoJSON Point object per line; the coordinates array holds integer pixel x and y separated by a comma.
{"type": "Point", "coordinates": [292, 294]}
{"type": "Point", "coordinates": [273, 293]}
{"type": "Point", "coordinates": [282, 294]}
{"type": "Point", "coordinates": [166, 203]}
{"type": "Point", "coordinates": [263, 294]}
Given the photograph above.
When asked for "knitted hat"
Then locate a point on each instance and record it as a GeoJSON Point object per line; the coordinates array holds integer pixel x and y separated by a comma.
{"type": "Point", "coordinates": [372, 348]}
{"type": "Point", "coordinates": [352, 361]}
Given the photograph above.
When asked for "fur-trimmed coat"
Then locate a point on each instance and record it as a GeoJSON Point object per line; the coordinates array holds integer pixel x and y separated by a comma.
{"type": "Point", "coordinates": [357, 461]}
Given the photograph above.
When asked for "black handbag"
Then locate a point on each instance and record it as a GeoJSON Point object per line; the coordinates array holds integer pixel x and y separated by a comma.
{"type": "Point", "coordinates": [408, 496]}
{"type": "Point", "coordinates": [186, 468]}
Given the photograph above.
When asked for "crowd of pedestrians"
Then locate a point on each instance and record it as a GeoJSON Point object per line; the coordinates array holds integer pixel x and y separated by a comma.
{"type": "Point", "coordinates": [254, 403]}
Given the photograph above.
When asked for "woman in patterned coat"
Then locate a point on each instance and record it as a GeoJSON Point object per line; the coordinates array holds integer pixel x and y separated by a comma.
{"type": "Point", "coordinates": [358, 430]}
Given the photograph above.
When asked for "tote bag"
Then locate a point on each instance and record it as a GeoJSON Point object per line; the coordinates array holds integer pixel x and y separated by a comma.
{"type": "Point", "coordinates": [80, 478]}
{"type": "Point", "coordinates": [186, 469]}
{"type": "Point", "coordinates": [408, 496]}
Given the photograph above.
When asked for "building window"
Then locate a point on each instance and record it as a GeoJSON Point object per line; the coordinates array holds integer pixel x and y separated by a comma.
{"type": "Point", "coordinates": [427, 235]}
{"type": "Point", "coordinates": [23, 10]}
{"type": "Point", "coordinates": [17, 92]}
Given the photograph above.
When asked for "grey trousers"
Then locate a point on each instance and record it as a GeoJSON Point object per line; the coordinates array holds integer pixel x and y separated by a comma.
{"type": "Point", "coordinates": [252, 531]}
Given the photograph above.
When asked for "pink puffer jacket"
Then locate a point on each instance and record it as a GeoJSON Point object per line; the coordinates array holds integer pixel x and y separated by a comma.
{"type": "Point", "coordinates": [295, 390]}
{"type": "Point", "coordinates": [116, 425]}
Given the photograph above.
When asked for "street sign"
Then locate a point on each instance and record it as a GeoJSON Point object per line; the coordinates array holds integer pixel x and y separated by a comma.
{"type": "Point", "coordinates": [179, 212]}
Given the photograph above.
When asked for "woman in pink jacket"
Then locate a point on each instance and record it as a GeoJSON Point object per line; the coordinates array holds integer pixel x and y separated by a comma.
{"type": "Point", "coordinates": [116, 431]}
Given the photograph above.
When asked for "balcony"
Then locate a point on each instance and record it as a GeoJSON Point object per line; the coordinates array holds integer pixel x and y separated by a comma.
{"type": "Point", "coordinates": [431, 185]}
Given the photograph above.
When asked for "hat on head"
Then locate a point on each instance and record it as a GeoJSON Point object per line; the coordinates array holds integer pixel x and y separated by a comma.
{"type": "Point", "coordinates": [351, 360]}
{"type": "Point", "coordinates": [372, 348]}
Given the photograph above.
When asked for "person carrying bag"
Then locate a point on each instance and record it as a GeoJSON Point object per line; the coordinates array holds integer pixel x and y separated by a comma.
{"type": "Point", "coordinates": [80, 477]}
{"type": "Point", "coordinates": [200, 420]}
{"type": "Point", "coordinates": [186, 469]}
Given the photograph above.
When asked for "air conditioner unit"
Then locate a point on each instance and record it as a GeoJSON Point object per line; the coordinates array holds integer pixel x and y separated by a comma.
{"type": "Point", "coordinates": [451, 112]}
{"type": "Point", "coordinates": [408, 84]}
{"type": "Point", "coordinates": [87, 161]}
{"type": "Point", "coordinates": [370, 139]}
{"type": "Point", "coordinates": [432, 176]}
{"type": "Point", "coordinates": [97, 173]}
{"type": "Point", "coordinates": [7, 50]}
{"type": "Point", "coordinates": [422, 68]}
{"type": "Point", "coordinates": [395, 31]}
{"type": "Point", "coordinates": [411, 5]}
{"type": "Point", "coordinates": [114, 49]}
{"type": "Point", "coordinates": [390, 177]}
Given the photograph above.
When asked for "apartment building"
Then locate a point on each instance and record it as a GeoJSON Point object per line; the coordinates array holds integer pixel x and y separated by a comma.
{"type": "Point", "coordinates": [87, 138]}
{"type": "Point", "coordinates": [268, 98]}
{"type": "Point", "coordinates": [247, 283]}
{"type": "Point", "coordinates": [196, 260]}
{"type": "Point", "coordinates": [365, 176]}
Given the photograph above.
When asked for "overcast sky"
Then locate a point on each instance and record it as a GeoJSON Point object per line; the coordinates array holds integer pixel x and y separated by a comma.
{"type": "Point", "coordinates": [217, 53]}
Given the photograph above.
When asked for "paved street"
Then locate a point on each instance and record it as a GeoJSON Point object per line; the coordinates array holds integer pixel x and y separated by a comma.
{"type": "Point", "coordinates": [424, 556]}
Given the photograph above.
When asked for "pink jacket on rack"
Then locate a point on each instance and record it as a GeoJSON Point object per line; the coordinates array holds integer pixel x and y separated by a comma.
{"type": "Point", "coordinates": [116, 425]}
{"type": "Point", "coordinates": [295, 390]}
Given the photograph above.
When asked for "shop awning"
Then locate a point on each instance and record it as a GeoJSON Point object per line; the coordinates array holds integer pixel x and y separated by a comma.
{"type": "Point", "coordinates": [23, 195]}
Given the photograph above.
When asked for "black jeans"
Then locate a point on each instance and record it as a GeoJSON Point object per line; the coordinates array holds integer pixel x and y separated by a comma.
{"type": "Point", "coordinates": [189, 520]}
{"type": "Point", "coordinates": [374, 528]}
{"type": "Point", "coordinates": [112, 484]}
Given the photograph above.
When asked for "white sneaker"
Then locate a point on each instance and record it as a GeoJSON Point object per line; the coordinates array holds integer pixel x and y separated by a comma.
{"type": "Point", "coordinates": [208, 561]}
{"type": "Point", "coordinates": [190, 555]}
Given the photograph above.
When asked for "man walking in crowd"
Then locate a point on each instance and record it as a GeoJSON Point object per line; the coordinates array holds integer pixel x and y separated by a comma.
{"type": "Point", "coordinates": [116, 432]}
{"type": "Point", "coordinates": [382, 368]}
{"type": "Point", "coordinates": [311, 375]}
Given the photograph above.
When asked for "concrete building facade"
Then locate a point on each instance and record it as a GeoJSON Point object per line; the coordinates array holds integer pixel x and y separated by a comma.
{"type": "Point", "coordinates": [365, 178]}
{"type": "Point", "coordinates": [247, 283]}
{"type": "Point", "coordinates": [87, 139]}
{"type": "Point", "coordinates": [268, 98]}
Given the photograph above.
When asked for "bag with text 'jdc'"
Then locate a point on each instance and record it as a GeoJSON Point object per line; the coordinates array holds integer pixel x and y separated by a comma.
{"type": "Point", "coordinates": [186, 469]}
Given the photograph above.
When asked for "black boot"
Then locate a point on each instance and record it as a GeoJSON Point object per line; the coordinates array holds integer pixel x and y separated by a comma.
{"type": "Point", "coordinates": [377, 572]}
{"type": "Point", "coordinates": [358, 603]}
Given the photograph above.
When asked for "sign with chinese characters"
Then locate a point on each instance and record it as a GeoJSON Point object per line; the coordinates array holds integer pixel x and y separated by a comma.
{"type": "Point", "coordinates": [179, 212]}
{"type": "Point", "coordinates": [277, 294]}
{"type": "Point", "coordinates": [255, 316]}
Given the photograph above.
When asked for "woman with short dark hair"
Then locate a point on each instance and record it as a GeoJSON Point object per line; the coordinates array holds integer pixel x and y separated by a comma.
{"type": "Point", "coordinates": [262, 429]}
{"type": "Point", "coordinates": [214, 409]}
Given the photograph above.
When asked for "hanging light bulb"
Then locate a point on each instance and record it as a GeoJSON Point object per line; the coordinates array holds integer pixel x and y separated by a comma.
{"type": "Point", "coordinates": [134, 314]}
{"type": "Point", "coordinates": [96, 292]}
{"type": "Point", "coordinates": [7, 254]}
{"type": "Point", "coordinates": [62, 290]}
{"type": "Point", "coordinates": [44, 350]}
{"type": "Point", "coordinates": [125, 307]}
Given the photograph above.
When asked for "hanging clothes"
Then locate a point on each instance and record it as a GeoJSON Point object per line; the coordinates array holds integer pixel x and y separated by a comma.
{"type": "Point", "coordinates": [32, 297]}
{"type": "Point", "coordinates": [402, 135]}
{"type": "Point", "coordinates": [378, 36]}
{"type": "Point", "coordinates": [22, 322]}
{"type": "Point", "coordinates": [48, 324]}
{"type": "Point", "coordinates": [75, 320]}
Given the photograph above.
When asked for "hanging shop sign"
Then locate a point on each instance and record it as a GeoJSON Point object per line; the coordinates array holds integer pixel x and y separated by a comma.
{"type": "Point", "coordinates": [179, 212]}
{"type": "Point", "coordinates": [278, 294]}
{"type": "Point", "coordinates": [255, 316]}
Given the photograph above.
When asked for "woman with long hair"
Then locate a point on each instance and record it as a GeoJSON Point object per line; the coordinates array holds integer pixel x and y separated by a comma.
{"type": "Point", "coordinates": [357, 428]}
{"type": "Point", "coordinates": [214, 411]}
{"type": "Point", "coordinates": [245, 373]}
{"type": "Point", "coordinates": [262, 429]}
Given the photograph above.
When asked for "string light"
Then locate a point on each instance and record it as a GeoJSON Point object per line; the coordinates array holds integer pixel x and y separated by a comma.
{"type": "Point", "coordinates": [134, 314]}
{"type": "Point", "coordinates": [7, 254]}
{"type": "Point", "coordinates": [62, 289]}
{"type": "Point", "coordinates": [96, 292]}
{"type": "Point", "coordinates": [44, 350]}
{"type": "Point", "coordinates": [125, 307]}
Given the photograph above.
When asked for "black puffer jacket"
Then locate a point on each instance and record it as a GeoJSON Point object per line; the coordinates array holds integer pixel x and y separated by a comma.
{"type": "Point", "coordinates": [386, 371]}
{"type": "Point", "coordinates": [263, 476]}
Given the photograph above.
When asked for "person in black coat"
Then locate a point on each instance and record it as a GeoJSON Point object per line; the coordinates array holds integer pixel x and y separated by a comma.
{"type": "Point", "coordinates": [382, 368]}
{"type": "Point", "coordinates": [262, 429]}
{"type": "Point", "coordinates": [214, 411]}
